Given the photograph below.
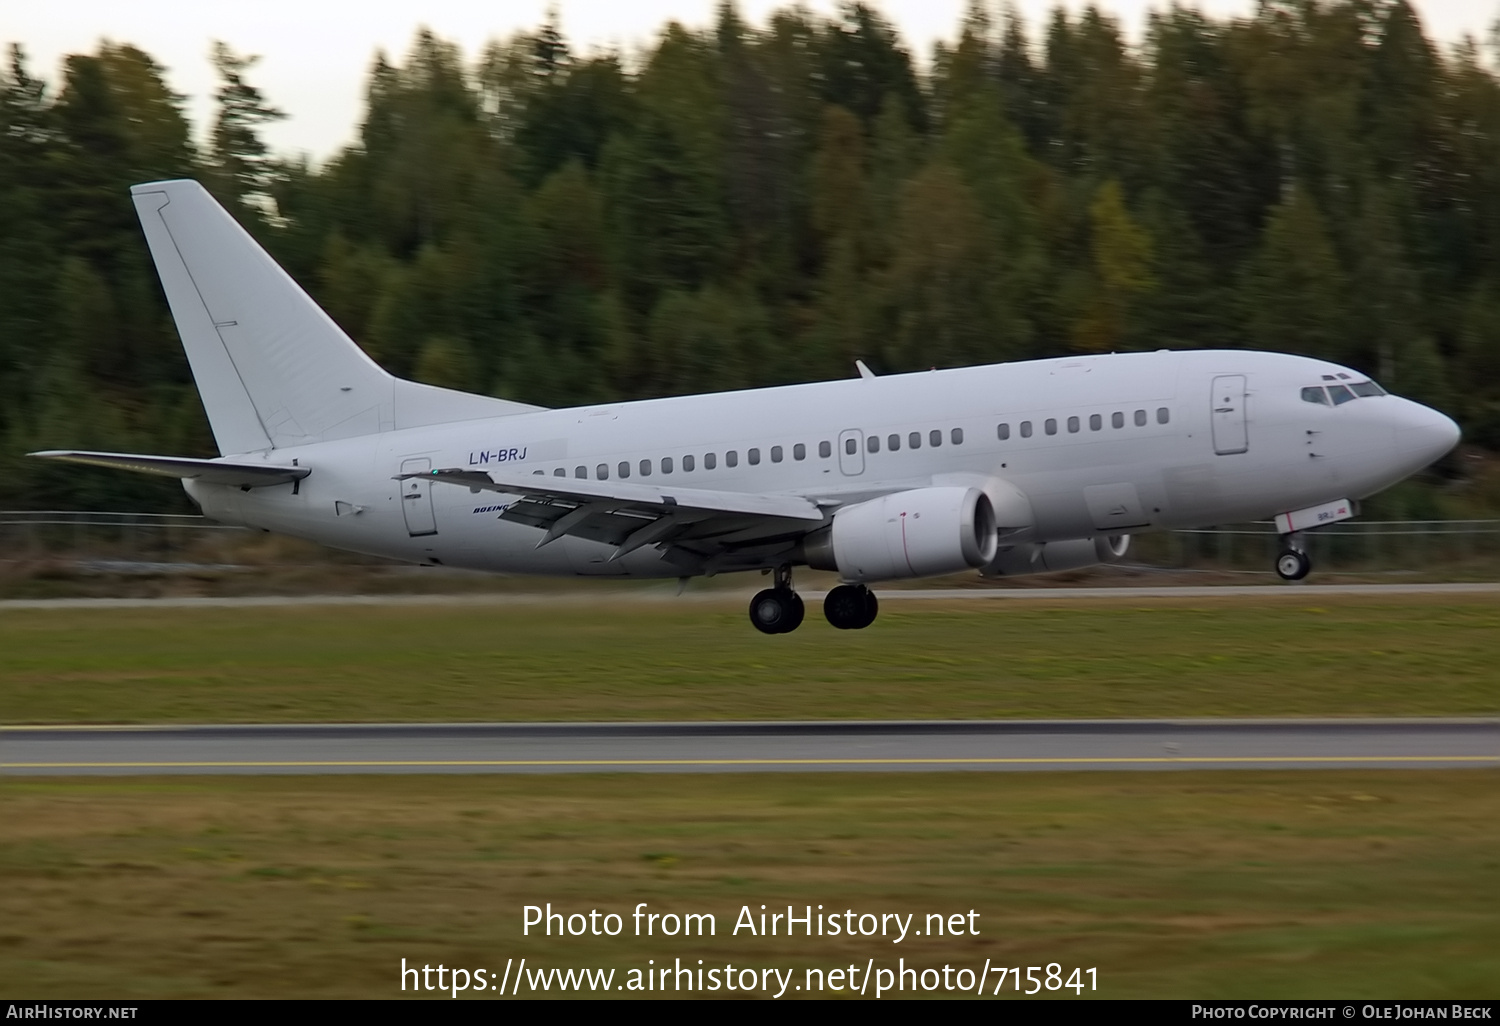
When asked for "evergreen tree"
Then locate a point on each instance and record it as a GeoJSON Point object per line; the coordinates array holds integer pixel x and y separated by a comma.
{"type": "Point", "coordinates": [238, 157]}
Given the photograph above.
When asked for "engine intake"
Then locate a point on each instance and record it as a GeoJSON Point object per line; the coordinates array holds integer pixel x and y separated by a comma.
{"type": "Point", "coordinates": [917, 533]}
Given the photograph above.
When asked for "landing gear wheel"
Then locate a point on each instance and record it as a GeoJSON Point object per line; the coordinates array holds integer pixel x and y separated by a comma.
{"type": "Point", "coordinates": [799, 610]}
{"type": "Point", "coordinates": [1292, 565]}
{"type": "Point", "coordinates": [851, 607]}
{"type": "Point", "coordinates": [777, 611]}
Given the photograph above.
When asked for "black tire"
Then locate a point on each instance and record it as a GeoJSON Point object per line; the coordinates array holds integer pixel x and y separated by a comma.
{"type": "Point", "coordinates": [798, 612]}
{"type": "Point", "coordinates": [776, 611]}
{"type": "Point", "coordinates": [850, 607]}
{"type": "Point", "coordinates": [1292, 565]}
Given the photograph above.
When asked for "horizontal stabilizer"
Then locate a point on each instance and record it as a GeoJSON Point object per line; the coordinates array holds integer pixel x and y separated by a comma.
{"type": "Point", "coordinates": [219, 472]}
{"type": "Point", "coordinates": [575, 489]}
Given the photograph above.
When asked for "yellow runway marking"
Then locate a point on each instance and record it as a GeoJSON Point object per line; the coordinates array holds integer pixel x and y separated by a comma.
{"type": "Point", "coordinates": [1236, 759]}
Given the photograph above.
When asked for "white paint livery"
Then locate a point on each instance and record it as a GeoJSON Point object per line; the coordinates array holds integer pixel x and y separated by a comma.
{"type": "Point", "coordinates": [1010, 468]}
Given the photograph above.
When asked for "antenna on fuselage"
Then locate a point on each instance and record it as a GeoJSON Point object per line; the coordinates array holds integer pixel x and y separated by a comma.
{"type": "Point", "coordinates": [864, 371]}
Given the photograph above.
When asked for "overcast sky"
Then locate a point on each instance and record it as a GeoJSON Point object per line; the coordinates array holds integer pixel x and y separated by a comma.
{"type": "Point", "coordinates": [316, 54]}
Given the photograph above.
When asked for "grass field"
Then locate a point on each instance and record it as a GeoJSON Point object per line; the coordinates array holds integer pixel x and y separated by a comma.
{"type": "Point", "coordinates": [1224, 884]}
{"type": "Point", "coordinates": [1326, 884]}
{"type": "Point", "coordinates": [631, 657]}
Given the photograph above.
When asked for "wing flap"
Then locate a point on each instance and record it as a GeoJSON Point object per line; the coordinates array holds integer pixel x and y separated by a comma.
{"type": "Point", "coordinates": [220, 472]}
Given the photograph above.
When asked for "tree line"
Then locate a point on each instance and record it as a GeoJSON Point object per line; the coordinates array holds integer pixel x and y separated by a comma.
{"type": "Point", "coordinates": [742, 206]}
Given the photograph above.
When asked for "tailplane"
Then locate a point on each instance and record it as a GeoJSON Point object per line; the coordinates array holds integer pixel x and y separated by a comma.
{"type": "Point", "coordinates": [272, 368]}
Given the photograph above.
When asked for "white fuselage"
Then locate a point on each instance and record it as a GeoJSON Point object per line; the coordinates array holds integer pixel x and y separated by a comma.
{"type": "Point", "coordinates": [1138, 442]}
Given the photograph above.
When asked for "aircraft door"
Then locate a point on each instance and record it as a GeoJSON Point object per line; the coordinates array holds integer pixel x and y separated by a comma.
{"type": "Point", "coordinates": [852, 452]}
{"type": "Point", "coordinates": [416, 499]}
{"type": "Point", "coordinates": [1228, 405]}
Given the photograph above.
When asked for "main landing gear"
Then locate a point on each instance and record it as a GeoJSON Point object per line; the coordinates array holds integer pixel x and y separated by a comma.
{"type": "Point", "coordinates": [1292, 562]}
{"type": "Point", "coordinates": [779, 609]}
{"type": "Point", "coordinates": [851, 607]}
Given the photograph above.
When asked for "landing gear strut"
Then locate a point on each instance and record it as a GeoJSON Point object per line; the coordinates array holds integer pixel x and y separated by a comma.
{"type": "Point", "coordinates": [851, 607]}
{"type": "Point", "coordinates": [778, 609]}
{"type": "Point", "coordinates": [1292, 562]}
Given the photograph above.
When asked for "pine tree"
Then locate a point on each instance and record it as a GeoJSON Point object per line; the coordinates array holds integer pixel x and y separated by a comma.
{"type": "Point", "coordinates": [242, 169]}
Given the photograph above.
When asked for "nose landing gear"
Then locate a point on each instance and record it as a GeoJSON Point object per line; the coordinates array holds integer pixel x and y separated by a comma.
{"type": "Point", "coordinates": [1292, 562]}
{"type": "Point", "coordinates": [778, 609]}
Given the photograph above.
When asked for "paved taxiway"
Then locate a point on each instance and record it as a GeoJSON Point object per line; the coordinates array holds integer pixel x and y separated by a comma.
{"type": "Point", "coordinates": [752, 747]}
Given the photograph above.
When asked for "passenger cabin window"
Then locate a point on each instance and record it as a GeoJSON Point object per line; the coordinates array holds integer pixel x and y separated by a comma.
{"type": "Point", "coordinates": [624, 468]}
{"type": "Point", "coordinates": [1163, 414]}
{"type": "Point", "coordinates": [581, 472]}
{"type": "Point", "coordinates": [754, 455]}
{"type": "Point", "coordinates": [1073, 425]}
{"type": "Point", "coordinates": [1004, 432]}
{"type": "Point", "coordinates": [914, 440]}
{"type": "Point", "coordinates": [1025, 429]}
{"type": "Point", "coordinates": [1096, 422]}
{"type": "Point", "coordinates": [537, 473]}
{"type": "Point", "coordinates": [645, 468]}
{"type": "Point", "coordinates": [1340, 394]}
{"type": "Point", "coordinates": [799, 452]}
{"type": "Point", "coordinates": [731, 458]}
{"type": "Point", "coordinates": [560, 472]}
{"type": "Point", "coordinates": [850, 448]}
{"type": "Point", "coordinates": [958, 436]}
{"type": "Point", "coordinates": [893, 443]}
{"type": "Point", "coordinates": [1117, 420]}
{"type": "Point", "coordinates": [1051, 426]}
{"type": "Point", "coordinates": [776, 454]}
{"type": "Point", "coordinates": [1140, 418]}
{"type": "Point", "coordinates": [602, 471]}
{"type": "Point", "coordinates": [710, 460]}
{"type": "Point", "coordinates": [687, 464]}
{"type": "Point", "coordinates": [934, 438]}
{"type": "Point", "coordinates": [666, 464]}
{"type": "Point", "coordinates": [825, 449]}
{"type": "Point", "coordinates": [873, 443]}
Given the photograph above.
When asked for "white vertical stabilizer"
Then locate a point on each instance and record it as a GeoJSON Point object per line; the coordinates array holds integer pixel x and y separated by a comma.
{"type": "Point", "coordinates": [272, 368]}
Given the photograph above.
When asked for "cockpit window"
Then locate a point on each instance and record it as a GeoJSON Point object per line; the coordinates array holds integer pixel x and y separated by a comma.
{"type": "Point", "coordinates": [1365, 388]}
{"type": "Point", "coordinates": [1340, 394]}
{"type": "Point", "coordinates": [1315, 395]}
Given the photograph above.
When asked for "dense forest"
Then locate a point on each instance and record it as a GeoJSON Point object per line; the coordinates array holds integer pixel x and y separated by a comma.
{"type": "Point", "coordinates": [744, 206]}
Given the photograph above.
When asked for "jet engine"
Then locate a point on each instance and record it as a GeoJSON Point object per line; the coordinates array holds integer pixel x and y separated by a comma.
{"type": "Point", "coordinates": [1046, 557]}
{"type": "Point", "coordinates": [918, 533]}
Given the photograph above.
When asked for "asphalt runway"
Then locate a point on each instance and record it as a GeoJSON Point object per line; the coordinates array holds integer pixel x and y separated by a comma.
{"type": "Point", "coordinates": [911, 746]}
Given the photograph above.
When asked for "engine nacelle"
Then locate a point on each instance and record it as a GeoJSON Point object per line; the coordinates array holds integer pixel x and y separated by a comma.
{"type": "Point", "coordinates": [1047, 557]}
{"type": "Point", "coordinates": [919, 533]}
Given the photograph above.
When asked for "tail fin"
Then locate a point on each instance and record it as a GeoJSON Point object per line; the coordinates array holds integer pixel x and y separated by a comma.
{"type": "Point", "coordinates": [272, 368]}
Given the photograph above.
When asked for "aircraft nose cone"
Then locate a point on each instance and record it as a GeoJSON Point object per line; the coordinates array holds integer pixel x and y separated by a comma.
{"type": "Point", "coordinates": [1425, 434]}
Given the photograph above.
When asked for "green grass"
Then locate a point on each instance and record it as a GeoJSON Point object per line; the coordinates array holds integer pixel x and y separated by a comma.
{"type": "Point", "coordinates": [649, 659]}
{"type": "Point", "coordinates": [1349, 884]}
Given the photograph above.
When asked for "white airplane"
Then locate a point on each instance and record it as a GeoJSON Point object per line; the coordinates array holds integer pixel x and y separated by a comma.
{"type": "Point", "coordinates": [1008, 469]}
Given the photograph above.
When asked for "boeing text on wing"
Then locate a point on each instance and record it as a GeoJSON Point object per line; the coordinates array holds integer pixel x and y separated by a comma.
{"type": "Point", "coordinates": [1006, 469]}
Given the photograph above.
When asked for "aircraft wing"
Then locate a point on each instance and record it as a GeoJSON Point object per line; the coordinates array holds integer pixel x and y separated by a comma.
{"type": "Point", "coordinates": [697, 528]}
{"type": "Point", "coordinates": [220, 472]}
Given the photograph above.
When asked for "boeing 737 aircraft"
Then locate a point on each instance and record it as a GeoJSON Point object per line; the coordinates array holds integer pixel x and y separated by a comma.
{"type": "Point", "coordinates": [1008, 469]}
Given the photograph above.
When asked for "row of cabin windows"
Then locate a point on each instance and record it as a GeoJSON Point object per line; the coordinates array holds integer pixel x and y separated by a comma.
{"type": "Point", "coordinates": [753, 456]}
{"type": "Point", "coordinates": [913, 441]}
{"type": "Point", "coordinates": [1096, 423]}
